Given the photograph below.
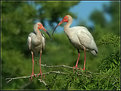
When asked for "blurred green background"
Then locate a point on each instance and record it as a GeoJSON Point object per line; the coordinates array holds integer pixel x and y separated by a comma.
{"type": "Point", "coordinates": [18, 19]}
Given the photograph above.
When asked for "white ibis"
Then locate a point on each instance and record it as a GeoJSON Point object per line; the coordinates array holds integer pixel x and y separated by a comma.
{"type": "Point", "coordinates": [80, 37]}
{"type": "Point", "coordinates": [36, 43]}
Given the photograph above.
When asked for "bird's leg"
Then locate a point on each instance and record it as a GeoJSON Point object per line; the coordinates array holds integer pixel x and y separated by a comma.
{"type": "Point", "coordinates": [32, 66]}
{"type": "Point", "coordinates": [76, 66]}
{"type": "Point", "coordinates": [84, 59]}
{"type": "Point", "coordinates": [40, 73]}
{"type": "Point", "coordinates": [77, 60]}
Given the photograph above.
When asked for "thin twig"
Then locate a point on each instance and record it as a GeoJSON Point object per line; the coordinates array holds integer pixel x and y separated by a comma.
{"type": "Point", "coordinates": [57, 72]}
{"type": "Point", "coordinates": [23, 77]}
{"type": "Point", "coordinates": [43, 82]}
{"type": "Point", "coordinates": [64, 66]}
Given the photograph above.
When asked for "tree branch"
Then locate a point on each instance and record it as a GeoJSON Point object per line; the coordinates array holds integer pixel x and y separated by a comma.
{"type": "Point", "coordinates": [47, 73]}
{"type": "Point", "coordinates": [24, 77]}
{"type": "Point", "coordinates": [43, 65]}
{"type": "Point", "coordinates": [57, 66]}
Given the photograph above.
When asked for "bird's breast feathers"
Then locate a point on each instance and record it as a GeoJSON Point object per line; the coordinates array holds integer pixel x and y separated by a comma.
{"type": "Point", "coordinates": [35, 42]}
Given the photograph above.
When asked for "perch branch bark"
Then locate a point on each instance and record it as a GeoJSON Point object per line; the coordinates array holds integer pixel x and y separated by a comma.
{"type": "Point", "coordinates": [57, 66]}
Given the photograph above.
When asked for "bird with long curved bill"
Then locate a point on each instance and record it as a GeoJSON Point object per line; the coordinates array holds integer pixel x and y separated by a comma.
{"type": "Point", "coordinates": [36, 44]}
{"type": "Point", "coordinates": [80, 37]}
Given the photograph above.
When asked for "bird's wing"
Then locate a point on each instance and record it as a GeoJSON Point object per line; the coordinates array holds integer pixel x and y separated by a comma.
{"type": "Point", "coordinates": [84, 36]}
{"type": "Point", "coordinates": [84, 39]}
{"type": "Point", "coordinates": [87, 39]}
{"type": "Point", "coordinates": [83, 30]}
{"type": "Point", "coordinates": [29, 42]}
{"type": "Point", "coordinates": [43, 41]}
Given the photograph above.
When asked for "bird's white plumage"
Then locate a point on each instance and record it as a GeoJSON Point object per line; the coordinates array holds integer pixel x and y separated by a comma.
{"type": "Point", "coordinates": [29, 42]}
{"type": "Point", "coordinates": [36, 42]}
{"type": "Point", "coordinates": [80, 37]}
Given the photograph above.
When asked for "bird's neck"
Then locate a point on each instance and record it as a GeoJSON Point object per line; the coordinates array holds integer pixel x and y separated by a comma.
{"type": "Point", "coordinates": [38, 33]}
{"type": "Point", "coordinates": [66, 27]}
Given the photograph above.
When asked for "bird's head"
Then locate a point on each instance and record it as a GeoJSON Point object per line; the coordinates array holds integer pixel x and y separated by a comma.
{"type": "Point", "coordinates": [65, 19]}
{"type": "Point", "coordinates": [40, 27]}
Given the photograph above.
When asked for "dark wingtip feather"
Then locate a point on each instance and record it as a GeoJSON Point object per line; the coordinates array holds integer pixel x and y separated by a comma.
{"type": "Point", "coordinates": [94, 52]}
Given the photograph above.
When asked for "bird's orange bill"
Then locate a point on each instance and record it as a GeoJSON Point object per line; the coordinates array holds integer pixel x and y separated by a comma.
{"type": "Point", "coordinates": [57, 26]}
{"type": "Point", "coordinates": [45, 31]}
